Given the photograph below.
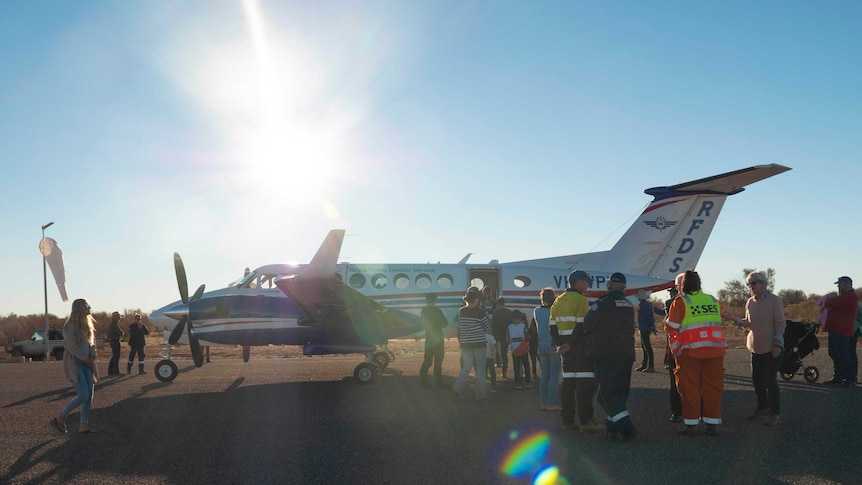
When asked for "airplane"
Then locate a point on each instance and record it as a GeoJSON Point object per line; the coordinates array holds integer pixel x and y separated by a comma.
{"type": "Point", "coordinates": [343, 308]}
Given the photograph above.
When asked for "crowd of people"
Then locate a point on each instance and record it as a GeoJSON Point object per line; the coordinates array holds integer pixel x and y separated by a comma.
{"type": "Point", "coordinates": [588, 347]}
{"type": "Point", "coordinates": [586, 351]}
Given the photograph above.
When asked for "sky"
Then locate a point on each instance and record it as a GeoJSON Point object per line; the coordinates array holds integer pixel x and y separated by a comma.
{"type": "Point", "coordinates": [238, 133]}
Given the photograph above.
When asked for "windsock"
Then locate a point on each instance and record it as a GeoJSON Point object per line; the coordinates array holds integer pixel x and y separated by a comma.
{"type": "Point", "coordinates": [54, 256]}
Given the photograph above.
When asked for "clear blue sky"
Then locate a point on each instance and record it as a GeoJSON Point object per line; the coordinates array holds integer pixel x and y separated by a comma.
{"type": "Point", "coordinates": [239, 133]}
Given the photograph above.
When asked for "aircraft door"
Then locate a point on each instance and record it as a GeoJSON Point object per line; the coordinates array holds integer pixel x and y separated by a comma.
{"type": "Point", "coordinates": [482, 277]}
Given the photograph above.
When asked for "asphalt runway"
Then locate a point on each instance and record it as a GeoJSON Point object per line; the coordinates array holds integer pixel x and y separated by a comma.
{"type": "Point", "coordinates": [304, 420]}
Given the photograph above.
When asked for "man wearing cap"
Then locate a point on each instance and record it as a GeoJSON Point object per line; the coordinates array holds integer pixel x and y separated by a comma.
{"type": "Point", "coordinates": [840, 322]}
{"type": "Point", "coordinates": [115, 333]}
{"type": "Point", "coordinates": [646, 327]}
{"type": "Point", "coordinates": [608, 328]}
{"type": "Point", "coordinates": [566, 326]}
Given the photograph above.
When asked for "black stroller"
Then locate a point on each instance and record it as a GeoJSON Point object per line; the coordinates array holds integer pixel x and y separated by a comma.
{"type": "Point", "coordinates": [800, 339]}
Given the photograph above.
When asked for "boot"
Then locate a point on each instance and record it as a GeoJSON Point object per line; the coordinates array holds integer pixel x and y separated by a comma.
{"type": "Point", "coordinates": [141, 369]}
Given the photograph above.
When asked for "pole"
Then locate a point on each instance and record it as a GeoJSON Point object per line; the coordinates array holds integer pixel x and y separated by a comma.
{"type": "Point", "coordinates": [45, 287]}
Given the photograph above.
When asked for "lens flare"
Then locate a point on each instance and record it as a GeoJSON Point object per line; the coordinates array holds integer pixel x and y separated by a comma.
{"type": "Point", "coordinates": [527, 455]}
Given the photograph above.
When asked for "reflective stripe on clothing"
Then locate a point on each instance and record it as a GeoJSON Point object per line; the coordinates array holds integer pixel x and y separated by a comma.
{"type": "Point", "coordinates": [619, 416]}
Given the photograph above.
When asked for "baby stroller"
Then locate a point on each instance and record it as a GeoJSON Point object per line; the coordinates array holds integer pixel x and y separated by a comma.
{"type": "Point", "coordinates": [800, 339]}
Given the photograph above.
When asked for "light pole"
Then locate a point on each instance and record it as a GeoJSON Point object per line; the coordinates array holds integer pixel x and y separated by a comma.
{"type": "Point", "coordinates": [45, 251]}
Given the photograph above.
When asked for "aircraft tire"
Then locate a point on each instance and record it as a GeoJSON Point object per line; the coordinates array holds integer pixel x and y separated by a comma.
{"type": "Point", "coordinates": [246, 353]}
{"type": "Point", "coordinates": [382, 359]}
{"type": "Point", "coordinates": [811, 374]}
{"type": "Point", "coordinates": [365, 373]}
{"type": "Point", "coordinates": [166, 370]}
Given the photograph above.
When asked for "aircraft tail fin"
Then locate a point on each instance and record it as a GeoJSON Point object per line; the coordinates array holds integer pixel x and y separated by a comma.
{"type": "Point", "coordinates": [326, 258]}
{"type": "Point", "coordinates": [670, 234]}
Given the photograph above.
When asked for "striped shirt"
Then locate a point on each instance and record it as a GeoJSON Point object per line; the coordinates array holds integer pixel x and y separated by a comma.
{"type": "Point", "coordinates": [473, 324]}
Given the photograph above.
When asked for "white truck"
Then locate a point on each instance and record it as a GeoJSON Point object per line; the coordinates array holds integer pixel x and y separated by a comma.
{"type": "Point", "coordinates": [34, 348]}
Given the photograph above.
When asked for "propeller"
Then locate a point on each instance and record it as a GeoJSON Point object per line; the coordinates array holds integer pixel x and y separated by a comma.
{"type": "Point", "coordinates": [185, 323]}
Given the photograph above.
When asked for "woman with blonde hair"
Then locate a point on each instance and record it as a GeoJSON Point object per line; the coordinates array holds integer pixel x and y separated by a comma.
{"type": "Point", "coordinates": [79, 364]}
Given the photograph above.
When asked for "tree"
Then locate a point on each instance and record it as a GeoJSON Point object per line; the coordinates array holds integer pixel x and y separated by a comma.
{"type": "Point", "coordinates": [735, 292]}
{"type": "Point", "coordinates": [792, 297]}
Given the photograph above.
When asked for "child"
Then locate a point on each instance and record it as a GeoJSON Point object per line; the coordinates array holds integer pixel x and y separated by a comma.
{"type": "Point", "coordinates": [519, 341]}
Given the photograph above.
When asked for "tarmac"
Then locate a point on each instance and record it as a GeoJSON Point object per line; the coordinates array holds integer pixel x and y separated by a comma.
{"type": "Point", "coordinates": [305, 420]}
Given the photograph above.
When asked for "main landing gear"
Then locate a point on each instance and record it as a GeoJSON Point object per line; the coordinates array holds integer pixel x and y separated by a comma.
{"type": "Point", "coordinates": [375, 364]}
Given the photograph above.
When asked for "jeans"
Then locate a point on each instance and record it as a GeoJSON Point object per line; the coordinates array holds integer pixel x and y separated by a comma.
{"type": "Point", "coordinates": [84, 388]}
{"type": "Point", "coordinates": [473, 358]}
{"type": "Point", "coordinates": [521, 366]}
{"type": "Point", "coordinates": [764, 368]}
{"type": "Point", "coordinates": [839, 351]}
{"type": "Point", "coordinates": [433, 355]}
{"type": "Point", "coordinates": [646, 346]}
{"type": "Point", "coordinates": [502, 354]}
{"type": "Point", "coordinates": [549, 382]}
{"type": "Point", "coordinates": [114, 363]}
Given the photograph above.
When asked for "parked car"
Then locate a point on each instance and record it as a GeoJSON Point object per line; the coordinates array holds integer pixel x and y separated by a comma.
{"type": "Point", "coordinates": [34, 348]}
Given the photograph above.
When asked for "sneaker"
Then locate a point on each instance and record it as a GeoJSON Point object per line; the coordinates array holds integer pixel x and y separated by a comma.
{"type": "Point", "coordinates": [591, 427]}
{"type": "Point", "coordinates": [711, 430]}
{"type": "Point", "coordinates": [772, 420]}
{"type": "Point", "coordinates": [569, 427]}
{"type": "Point", "coordinates": [519, 388]}
{"type": "Point", "coordinates": [648, 370]}
{"type": "Point", "coordinates": [759, 415]}
{"type": "Point", "coordinates": [641, 368]}
{"type": "Point", "coordinates": [675, 418]}
{"type": "Point", "coordinates": [687, 430]}
{"type": "Point", "coordinates": [833, 382]}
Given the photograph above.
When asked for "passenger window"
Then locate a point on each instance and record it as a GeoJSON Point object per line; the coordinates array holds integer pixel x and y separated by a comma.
{"type": "Point", "coordinates": [379, 281]}
{"type": "Point", "coordinates": [401, 281]}
{"type": "Point", "coordinates": [522, 281]}
{"type": "Point", "coordinates": [445, 281]}
{"type": "Point", "coordinates": [357, 280]}
{"type": "Point", "coordinates": [423, 281]}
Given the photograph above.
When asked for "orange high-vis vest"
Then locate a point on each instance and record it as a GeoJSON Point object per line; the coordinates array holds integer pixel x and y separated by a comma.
{"type": "Point", "coordinates": [701, 326]}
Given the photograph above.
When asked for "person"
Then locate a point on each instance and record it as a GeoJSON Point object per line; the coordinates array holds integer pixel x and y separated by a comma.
{"type": "Point", "coordinates": [473, 326]}
{"type": "Point", "coordinates": [670, 362]}
{"type": "Point", "coordinates": [79, 364]}
{"type": "Point", "coordinates": [434, 322]}
{"type": "Point", "coordinates": [567, 317]}
{"type": "Point", "coordinates": [501, 317]}
{"type": "Point", "coordinates": [534, 348]}
{"type": "Point", "coordinates": [137, 342]}
{"type": "Point", "coordinates": [608, 329]}
{"type": "Point", "coordinates": [764, 318]}
{"type": "Point", "coordinates": [697, 343]}
{"type": "Point", "coordinates": [840, 323]}
{"type": "Point", "coordinates": [853, 340]}
{"type": "Point", "coordinates": [115, 333]}
{"type": "Point", "coordinates": [549, 359]}
{"type": "Point", "coordinates": [518, 335]}
{"type": "Point", "coordinates": [646, 327]}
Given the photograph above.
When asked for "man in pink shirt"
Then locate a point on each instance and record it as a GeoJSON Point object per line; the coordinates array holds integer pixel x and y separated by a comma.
{"type": "Point", "coordinates": [840, 323]}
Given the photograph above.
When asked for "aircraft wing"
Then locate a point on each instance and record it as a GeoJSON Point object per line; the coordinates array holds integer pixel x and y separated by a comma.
{"type": "Point", "coordinates": [342, 312]}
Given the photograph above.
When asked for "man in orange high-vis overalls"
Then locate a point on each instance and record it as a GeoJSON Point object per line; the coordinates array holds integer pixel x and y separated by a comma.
{"type": "Point", "coordinates": [698, 345]}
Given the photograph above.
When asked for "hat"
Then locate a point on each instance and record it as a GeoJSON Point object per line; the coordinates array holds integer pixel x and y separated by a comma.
{"type": "Point", "coordinates": [618, 278]}
{"type": "Point", "coordinates": [642, 295]}
{"type": "Point", "coordinates": [115, 314]}
{"type": "Point", "coordinates": [844, 279]}
{"type": "Point", "coordinates": [579, 275]}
